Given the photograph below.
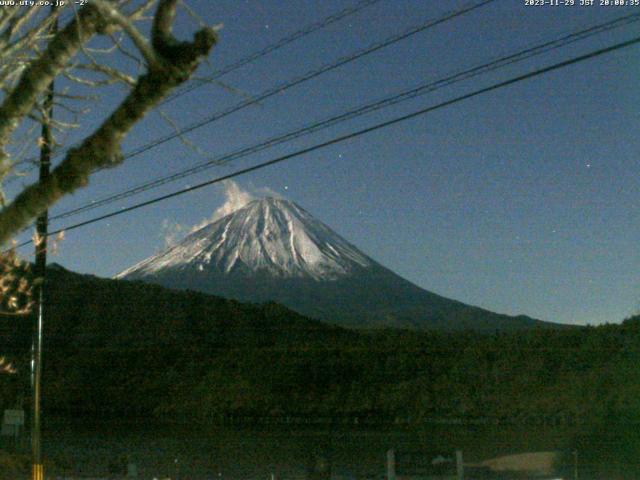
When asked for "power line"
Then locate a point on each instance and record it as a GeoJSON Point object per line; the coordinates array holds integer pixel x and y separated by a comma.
{"type": "Point", "coordinates": [367, 108]}
{"type": "Point", "coordinates": [355, 134]}
{"type": "Point", "coordinates": [310, 75]}
{"type": "Point", "coordinates": [274, 46]}
{"type": "Point", "coordinates": [303, 32]}
{"type": "Point", "coordinates": [314, 73]}
{"type": "Point", "coordinates": [306, 77]}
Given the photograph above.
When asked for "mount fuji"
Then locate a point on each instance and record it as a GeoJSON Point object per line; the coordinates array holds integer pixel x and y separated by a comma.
{"type": "Point", "coordinates": [273, 250]}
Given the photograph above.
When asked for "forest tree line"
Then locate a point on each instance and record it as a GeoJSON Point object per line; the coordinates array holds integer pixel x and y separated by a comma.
{"type": "Point", "coordinates": [126, 348]}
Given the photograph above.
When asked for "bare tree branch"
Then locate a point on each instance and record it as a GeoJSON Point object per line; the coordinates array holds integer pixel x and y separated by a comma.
{"type": "Point", "coordinates": [39, 74]}
{"type": "Point", "coordinates": [9, 46]}
{"type": "Point", "coordinates": [183, 139]}
{"type": "Point", "coordinates": [138, 13]}
{"type": "Point", "coordinates": [113, 74]}
{"type": "Point", "coordinates": [16, 291]}
{"type": "Point", "coordinates": [122, 49]}
{"type": "Point", "coordinates": [139, 40]}
{"type": "Point", "coordinates": [178, 61]}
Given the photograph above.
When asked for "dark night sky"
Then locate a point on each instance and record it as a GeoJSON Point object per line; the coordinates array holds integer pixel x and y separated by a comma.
{"type": "Point", "coordinates": [523, 200]}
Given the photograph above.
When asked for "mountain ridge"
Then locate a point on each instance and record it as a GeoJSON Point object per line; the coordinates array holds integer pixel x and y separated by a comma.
{"type": "Point", "coordinates": [273, 250]}
{"type": "Point", "coordinates": [285, 240]}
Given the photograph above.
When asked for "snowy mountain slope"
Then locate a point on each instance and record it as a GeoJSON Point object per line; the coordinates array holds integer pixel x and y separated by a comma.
{"type": "Point", "coordinates": [273, 250]}
{"type": "Point", "coordinates": [271, 236]}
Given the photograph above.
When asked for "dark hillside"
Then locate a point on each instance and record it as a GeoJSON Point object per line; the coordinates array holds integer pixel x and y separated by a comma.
{"type": "Point", "coordinates": [129, 348]}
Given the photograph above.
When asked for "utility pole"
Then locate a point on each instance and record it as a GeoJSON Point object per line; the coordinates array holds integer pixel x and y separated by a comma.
{"type": "Point", "coordinates": [42, 223]}
{"type": "Point", "coordinates": [391, 464]}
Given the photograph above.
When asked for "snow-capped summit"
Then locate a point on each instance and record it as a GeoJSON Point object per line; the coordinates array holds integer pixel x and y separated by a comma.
{"type": "Point", "coordinates": [271, 236]}
{"type": "Point", "coordinates": [273, 250]}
